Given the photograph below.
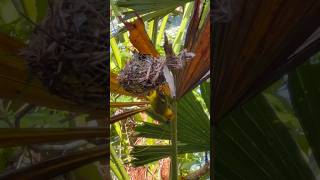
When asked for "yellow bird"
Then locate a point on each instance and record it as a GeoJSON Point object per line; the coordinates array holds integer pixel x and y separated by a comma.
{"type": "Point", "coordinates": [160, 104]}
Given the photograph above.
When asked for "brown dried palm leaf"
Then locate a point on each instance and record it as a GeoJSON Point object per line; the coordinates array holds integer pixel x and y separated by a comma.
{"type": "Point", "coordinates": [268, 45]}
{"type": "Point", "coordinates": [128, 104]}
{"type": "Point", "coordinates": [26, 136]}
{"type": "Point", "coordinates": [127, 114]}
{"type": "Point", "coordinates": [196, 69]}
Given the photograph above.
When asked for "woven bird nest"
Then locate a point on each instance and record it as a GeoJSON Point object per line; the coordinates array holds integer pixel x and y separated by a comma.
{"type": "Point", "coordinates": [144, 73]}
{"type": "Point", "coordinates": [68, 51]}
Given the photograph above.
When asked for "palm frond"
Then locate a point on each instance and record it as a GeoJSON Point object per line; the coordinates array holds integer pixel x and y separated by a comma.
{"type": "Point", "coordinates": [252, 142]}
{"type": "Point", "coordinates": [152, 8]}
{"type": "Point", "coordinates": [177, 43]}
{"type": "Point", "coordinates": [205, 88]}
{"type": "Point", "coordinates": [118, 168]}
{"type": "Point", "coordinates": [193, 132]}
{"type": "Point", "coordinates": [189, 77]}
{"type": "Point", "coordinates": [304, 91]}
{"type": "Point", "coordinates": [147, 154]}
{"type": "Point", "coordinates": [263, 44]}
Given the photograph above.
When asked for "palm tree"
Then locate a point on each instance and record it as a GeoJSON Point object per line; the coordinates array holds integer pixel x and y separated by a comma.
{"type": "Point", "coordinates": [190, 113]}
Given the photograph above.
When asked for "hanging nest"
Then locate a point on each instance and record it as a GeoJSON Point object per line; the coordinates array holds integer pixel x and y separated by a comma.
{"type": "Point", "coordinates": [68, 51]}
{"type": "Point", "coordinates": [144, 73]}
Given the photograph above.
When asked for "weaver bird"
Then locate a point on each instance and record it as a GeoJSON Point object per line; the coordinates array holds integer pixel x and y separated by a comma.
{"type": "Point", "coordinates": [160, 104]}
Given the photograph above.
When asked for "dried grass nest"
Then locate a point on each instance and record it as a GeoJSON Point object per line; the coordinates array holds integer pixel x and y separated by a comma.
{"type": "Point", "coordinates": [144, 73]}
{"type": "Point", "coordinates": [68, 51]}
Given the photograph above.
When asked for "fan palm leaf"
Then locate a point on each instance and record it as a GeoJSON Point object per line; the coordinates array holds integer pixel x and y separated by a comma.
{"type": "Point", "coordinates": [304, 91]}
{"type": "Point", "coordinates": [252, 142]}
{"type": "Point", "coordinates": [151, 9]}
{"type": "Point", "coordinates": [246, 59]}
{"type": "Point", "coordinates": [193, 132]}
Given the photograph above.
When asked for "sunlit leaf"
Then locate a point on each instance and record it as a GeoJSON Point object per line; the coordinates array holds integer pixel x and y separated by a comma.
{"type": "Point", "coordinates": [177, 43]}
{"type": "Point", "coordinates": [116, 52]}
{"type": "Point", "coordinates": [161, 30]}
{"type": "Point", "coordinates": [119, 164]}
{"type": "Point", "coordinates": [139, 37]}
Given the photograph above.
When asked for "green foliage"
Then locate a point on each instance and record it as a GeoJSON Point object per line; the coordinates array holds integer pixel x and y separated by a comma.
{"type": "Point", "coordinates": [177, 43]}
{"type": "Point", "coordinates": [17, 26]}
{"type": "Point", "coordinates": [41, 6]}
{"type": "Point", "coordinates": [116, 52]}
{"type": "Point", "coordinates": [304, 88]}
{"type": "Point", "coordinates": [5, 155]}
{"type": "Point", "coordinates": [252, 142]}
{"type": "Point", "coordinates": [89, 171]}
{"type": "Point", "coordinates": [190, 161]}
{"type": "Point", "coordinates": [193, 132]}
{"type": "Point", "coordinates": [205, 89]}
{"type": "Point", "coordinates": [150, 8]}
{"type": "Point", "coordinates": [117, 165]}
{"type": "Point", "coordinates": [161, 30]}
{"type": "Point", "coordinates": [45, 118]}
{"type": "Point", "coordinates": [8, 12]}
{"type": "Point", "coordinates": [39, 117]}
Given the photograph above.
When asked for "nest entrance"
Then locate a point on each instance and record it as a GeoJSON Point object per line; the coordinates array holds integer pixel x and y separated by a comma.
{"type": "Point", "coordinates": [68, 51]}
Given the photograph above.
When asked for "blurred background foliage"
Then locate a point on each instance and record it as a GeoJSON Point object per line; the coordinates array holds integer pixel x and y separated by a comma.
{"type": "Point", "coordinates": [16, 114]}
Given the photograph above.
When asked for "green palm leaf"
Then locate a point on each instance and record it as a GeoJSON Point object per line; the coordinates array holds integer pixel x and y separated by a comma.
{"type": "Point", "coordinates": [117, 165]}
{"type": "Point", "coordinates": [304, 88]}
{"type": "Point", "coordinates": [251, 142]}
{"type": "Point", "coordinates": [193, 132]}
{"type": "Point", "coordinates": [151, 8]}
